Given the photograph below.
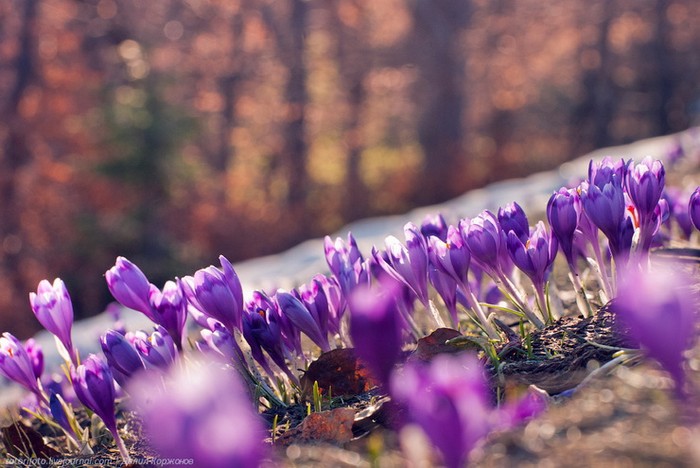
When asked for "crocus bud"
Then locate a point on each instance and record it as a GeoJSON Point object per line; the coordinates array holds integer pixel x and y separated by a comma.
{"type": "Point", "coordinates": [53, 308]}
{"type": "Point", "coordinates": [512, 218]}
{"type": "Point", "coordinates": [121, 356]}
{"type": "Point", "coordinates": [343, 259]}
{"type": "Point", "coordinates": [408, 264]}
{"type": "Point", "coordinates": [94, 387]}
{"type": "Point", "coordinates": [129, 286]}
{"type": "Point", "coordinates": [17, 365]}
{"type": "Point", "coordinates": [563, 214]}
{"type": "Point", "coordinates": [645, 183]}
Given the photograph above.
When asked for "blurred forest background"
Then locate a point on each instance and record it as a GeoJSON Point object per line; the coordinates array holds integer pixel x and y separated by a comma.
{"type": "Point", "coordinates": [172, 131]}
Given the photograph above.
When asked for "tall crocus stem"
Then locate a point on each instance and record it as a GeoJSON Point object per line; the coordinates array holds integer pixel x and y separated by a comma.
{"type": "Point", "coordinates": [519, 301]}
{"type": "Point", "coordinates": [543, 305]}
{"type": "Point", "coordinates": [581, 299]}
{"type": "Point", "coordinates": [602, 270]}
{"type": "Point", "coordinates": [479, 311]}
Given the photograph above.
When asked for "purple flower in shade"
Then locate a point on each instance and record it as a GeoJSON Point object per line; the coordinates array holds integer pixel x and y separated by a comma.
{"type": "Point", "coordinates": [17, 365]}
{"type": "Point", "coordinates": [170, 309]}
{"type": "Point", "coordinates": [450, 400]}
{"type": "Point", "coordinates": [157, 350]}
{"type": "Point", "coordinates": [606, 209]}
{"type": "Point", "coordinates": [262, 332]}
{"type": "Point", "coordinates": [535, 257]}
{"type": "Point", "coordinates": [345, 262]}
{"type": "Point", "coordinates": [293, 309]}
{"type": "Point", "coordinates": [434, 225]}
{"type": "Point", "coordinates": [209, 416]}
{"type": "Point", "coordinates": [217, 293]}
{"type": "Point", "coordinates": [694, 208]}
{"type": "Point", "coordinates": [36, 355]}
{"type": "Point", "coordinates": [130, 287]}
{"type": "Point", "coordinates": [408, 264]}
{"type": "Point", "coordinates": [658, 308]}
{"type": "Point", "coordinates": [375, 326]}
{"type": "Point", "coordinates": [94, 387]}
{"type": "Point", "coordinates": [53, 308]}
{"type": "Point", "coordinates": [564, 213]}
{"type": "Point", "coordinates": [512, 218]}
{"type": "Point", "coordinates": [122, 357]}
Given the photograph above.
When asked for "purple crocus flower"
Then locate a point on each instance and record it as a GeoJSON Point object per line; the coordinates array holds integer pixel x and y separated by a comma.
{"type": "Point", "coordinates": [217, 293]}
{"type": "Point", "coordinates": [434, 225]}
{"type": "Point", "coordinates": [122, 357]}
{"type": "Point", "coordinates": [606, 208]}
{"type": "Point", "coordinates": [36, 355]}
{"type": "Point", "coordinates": [694, 208]}
{"type": "Point", "coordinates": [170, 309]}
{"type": "Point", "coordinates": [486, 242]}
{"type": "Point", "coordinates": [345, 262]}
{"type": "Point", "coordinates": [208, 414]}
{"type": "Point", "coordinates": [313, 296]}
{"type": "Point", "coordinates": [607, 171]}
{"type": "Point", "coordinates": [157, 350]}
{"type": "Point", "coordinates": [59, 415]}
{"type": "Point", "coordinates": [130, 287]}
{"type": "Point", "coordinates": [301, 318]}
{"type": "Point", "coordinates": [512, 218]}
{"type": "Point", "coordinates": [658, 308]}
{"type": "Point", "coordinates": [53, 308]}
{"type": "Point", "coordinates": [645, 184]}
{"type": "Point", "coordinates": [563, 214]}
{"type": "Point", "coordinates": [678, 208]}
{"type": "Point", "coordinates": [408, 264]}
{"type": "Point", "coordinates": [375, 326]}
{"type": "Point", "coordinates": [534, 257]}
{"type": "Point", "coordinates": [17, 365]}
{"type": "Point", "coordinates": [262, 332]}
{"type": "Point", "coordinates": [94, 387]}
{"type": "Point", "coordinates": [450, 400]}
{"type": "Point", "coordinates": [451, 255]}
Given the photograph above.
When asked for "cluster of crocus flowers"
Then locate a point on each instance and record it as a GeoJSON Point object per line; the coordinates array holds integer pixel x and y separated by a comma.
{"type": "Point", "coordinates": [372, 303]}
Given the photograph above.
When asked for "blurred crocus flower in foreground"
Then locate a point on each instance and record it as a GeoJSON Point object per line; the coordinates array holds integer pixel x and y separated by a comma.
{"type": "Point", "coordinates": [658, 307]}
{"type": "Point", "coordinates": [376, 327]}
{"type": "Point", "coordinates": [208, 415]}
{"type": "Point", "coordinates": [450, 400]}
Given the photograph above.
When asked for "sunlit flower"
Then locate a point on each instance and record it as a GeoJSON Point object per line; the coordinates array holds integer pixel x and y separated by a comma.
{"type": "Point", "coordinates": [53, 308]}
